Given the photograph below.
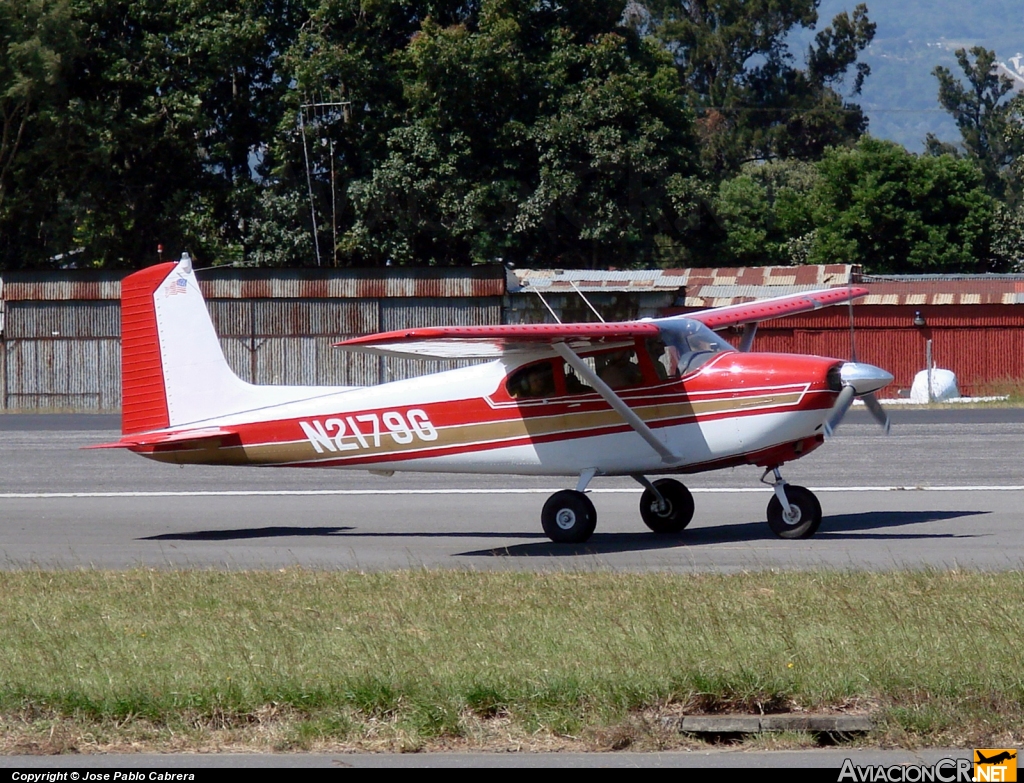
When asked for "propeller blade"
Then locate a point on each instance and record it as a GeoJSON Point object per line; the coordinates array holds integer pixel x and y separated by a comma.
{"type": "Point", "coordinates": [839, 409]}
{"type": "Point", "coordinates": [871, 401]}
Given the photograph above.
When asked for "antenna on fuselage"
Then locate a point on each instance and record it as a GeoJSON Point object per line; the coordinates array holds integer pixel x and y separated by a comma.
{"type": "Point", "coordinates": [322, 114]}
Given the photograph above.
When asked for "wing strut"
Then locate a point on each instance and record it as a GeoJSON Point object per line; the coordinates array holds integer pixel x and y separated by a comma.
{"type": "Point", "coordinates": [614, 400]}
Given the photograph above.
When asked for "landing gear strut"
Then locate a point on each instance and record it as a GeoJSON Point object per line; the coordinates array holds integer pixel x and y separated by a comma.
{"type": "Point", "coordinates": [794, 512]}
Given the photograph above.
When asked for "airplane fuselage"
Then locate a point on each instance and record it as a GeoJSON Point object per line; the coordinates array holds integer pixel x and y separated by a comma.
{"type": "Point", "coordinates": [739, 408]}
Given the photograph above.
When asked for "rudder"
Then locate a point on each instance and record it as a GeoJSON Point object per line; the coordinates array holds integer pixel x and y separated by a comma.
{"type": "Point", "coordinates": [143, 395]}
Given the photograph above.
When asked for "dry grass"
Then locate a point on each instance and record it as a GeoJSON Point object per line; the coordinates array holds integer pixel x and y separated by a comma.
{"type": "Point", "coordinates": [415, 660]}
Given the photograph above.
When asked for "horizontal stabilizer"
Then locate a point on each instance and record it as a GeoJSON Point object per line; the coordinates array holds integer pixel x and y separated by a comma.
{"type": "Point", "coordinates": [166, 438]}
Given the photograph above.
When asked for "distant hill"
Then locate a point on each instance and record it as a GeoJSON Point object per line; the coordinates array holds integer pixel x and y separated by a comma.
{"type": "Point", "coordinates": [913, 36]}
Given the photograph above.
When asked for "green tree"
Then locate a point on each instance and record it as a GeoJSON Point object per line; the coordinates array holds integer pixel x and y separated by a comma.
{"type": "Point", "coordinates": [164, 107]}
{"type": "Point", "coordinates": [982, 112]}
{"type": "Point", "coordinates": [538, 134]}
{"type": "Point", "coordinates": [763, 211]}
{"type": "Point", "coordinates": [893, 212]}
{"type": "Point", "coordinates": [345, 71]}
{"type": "Point", "coordinates": [38, 43]}
{"type": "Point", "coordinates": [753, 102]}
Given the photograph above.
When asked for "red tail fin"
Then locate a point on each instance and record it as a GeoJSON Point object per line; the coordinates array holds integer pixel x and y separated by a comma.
{"type": "Point", "coordinates": [143, 396]}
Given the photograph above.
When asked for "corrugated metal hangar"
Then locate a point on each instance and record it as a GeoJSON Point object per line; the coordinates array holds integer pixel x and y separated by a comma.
{"type": "Point", "coordinates": [60, 346]}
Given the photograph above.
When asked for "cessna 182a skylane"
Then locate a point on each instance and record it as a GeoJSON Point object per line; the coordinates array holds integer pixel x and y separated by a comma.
{"type": "Point", "coordinates": [657, 396]}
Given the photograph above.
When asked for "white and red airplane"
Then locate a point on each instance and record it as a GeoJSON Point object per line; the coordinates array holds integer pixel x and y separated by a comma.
{"type": "Point", "coordinates": [637, 398]}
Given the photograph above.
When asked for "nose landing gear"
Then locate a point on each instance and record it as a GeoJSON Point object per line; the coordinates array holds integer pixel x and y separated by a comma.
{"type": "Point", "coordinates": [794, 512]}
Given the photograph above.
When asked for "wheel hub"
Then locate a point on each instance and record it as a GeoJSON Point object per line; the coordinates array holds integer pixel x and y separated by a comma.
{"type": "Point", "coordinates": [565, 518]}
{"type": "Point", "coordinates": [792, 514]}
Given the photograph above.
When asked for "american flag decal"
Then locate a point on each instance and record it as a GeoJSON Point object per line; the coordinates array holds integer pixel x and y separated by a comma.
{"type": "Point", "coordinates": [179, 286]}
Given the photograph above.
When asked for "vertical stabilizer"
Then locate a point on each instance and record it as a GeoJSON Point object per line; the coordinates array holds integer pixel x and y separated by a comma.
{"type": "Point", "coordinates": [173, 371]}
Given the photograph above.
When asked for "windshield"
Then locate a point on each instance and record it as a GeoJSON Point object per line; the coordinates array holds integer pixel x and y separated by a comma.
{"type": "Point", "coordinates": [684, 346]}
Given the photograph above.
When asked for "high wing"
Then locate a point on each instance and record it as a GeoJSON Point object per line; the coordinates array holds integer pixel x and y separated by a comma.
{"type": "Point", "coordinates": [766, 309]}
{"type": "Point", "coordinates": [491, 342]}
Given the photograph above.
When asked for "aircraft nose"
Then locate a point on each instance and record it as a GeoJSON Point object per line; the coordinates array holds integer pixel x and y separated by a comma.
{"type": "Point", "coordinates": [864, 378]}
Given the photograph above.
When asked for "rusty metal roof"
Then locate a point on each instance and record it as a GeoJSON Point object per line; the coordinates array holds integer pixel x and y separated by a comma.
{"type": "Point", "coordinates": [704, 287]}
{"type": "Point", "coordinates": [721, 286]}
{"type": "Point", "coordinates": [231, 283]}
{"type": "Point", "coordinates": [562, 280]}
{"type": "Point", "coordinates": [944, 289]}
{"type": "Point", "coordinates": [65, 285]}
{"type": "Point", "coordinates": [376, 283]}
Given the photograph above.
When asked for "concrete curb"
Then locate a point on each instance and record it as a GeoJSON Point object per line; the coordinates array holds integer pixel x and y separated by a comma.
{"type": "Point", "coordinates": [755, 724]}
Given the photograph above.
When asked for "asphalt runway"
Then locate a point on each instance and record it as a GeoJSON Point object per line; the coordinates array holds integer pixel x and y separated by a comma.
{"type": "Point", "coordinates": [946, 489]}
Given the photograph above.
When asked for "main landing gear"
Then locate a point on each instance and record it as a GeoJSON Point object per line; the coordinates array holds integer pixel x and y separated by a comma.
{"type": "Point", "coordinates": [570, 518]}
{"type": "Point", "coordinates": [666, 507]}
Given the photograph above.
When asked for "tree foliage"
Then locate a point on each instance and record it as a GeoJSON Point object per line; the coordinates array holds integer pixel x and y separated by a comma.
{"type": "Point", "coordinates": [985, 116]}
{"type": "Point", "coordinates": [737, 70]}
{"type": "Point", "coordinates": [38, 42]}
{"type": "Point", "coordinates": [880, 206]}
{"type": "Point", "coordinates": [764, 211]}
{"type": "Point", "coordinates": [532, 138]}
{"type": "Point", "coordinates": [451, 132]}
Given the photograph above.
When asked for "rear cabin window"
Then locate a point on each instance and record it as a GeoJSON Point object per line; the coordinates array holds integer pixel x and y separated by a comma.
{"type": "Point", "coordinates": [619, 369]}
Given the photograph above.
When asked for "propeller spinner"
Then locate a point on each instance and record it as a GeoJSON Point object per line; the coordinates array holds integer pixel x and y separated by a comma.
{"type": "Point", "coordinates": [859, 380]}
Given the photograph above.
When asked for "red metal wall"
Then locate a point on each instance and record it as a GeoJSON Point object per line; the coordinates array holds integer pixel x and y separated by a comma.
{"type": "Point", "coordinates": [982, 344]}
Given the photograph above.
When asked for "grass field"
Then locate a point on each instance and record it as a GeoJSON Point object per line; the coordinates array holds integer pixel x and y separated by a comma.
{"type": "Point", "coordinates": [416, 660]}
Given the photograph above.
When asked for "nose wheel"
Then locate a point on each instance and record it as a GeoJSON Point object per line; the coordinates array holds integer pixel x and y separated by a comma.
{"type": "Point", "coordinates": [793, 512]}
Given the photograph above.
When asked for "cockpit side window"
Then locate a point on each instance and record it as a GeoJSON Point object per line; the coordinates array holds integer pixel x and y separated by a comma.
{"type": "Point", "coordinates": [532, 381]}
{"type": "Point", "coordinates": [574, 384]}
{"type": "Point", "coordinates": [665, 362]}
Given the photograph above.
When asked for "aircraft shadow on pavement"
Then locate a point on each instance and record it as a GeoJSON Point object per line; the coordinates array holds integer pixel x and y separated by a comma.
{"type": "Point", "coordinates": [286, 532]}
{"type": "Point", "coordinates": [842, 524]}
{"type": "Point", "coordinates": [845, 526]}
{"type": "Point", "coordinates": [851, 526]}
{"type": "Point", "coordinates": [250, 532]}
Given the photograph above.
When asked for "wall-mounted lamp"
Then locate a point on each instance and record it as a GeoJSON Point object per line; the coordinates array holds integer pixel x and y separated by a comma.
{"type": "Point", "coordinates": [919, 321]}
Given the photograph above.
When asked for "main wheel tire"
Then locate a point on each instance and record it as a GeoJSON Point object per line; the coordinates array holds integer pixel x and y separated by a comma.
{"type": "Point", "coordinates": [568, 517]}
{"type": "Point", "coordinates": [808, 514]}
{"type": "Point", "coordinates": [676, 514]}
